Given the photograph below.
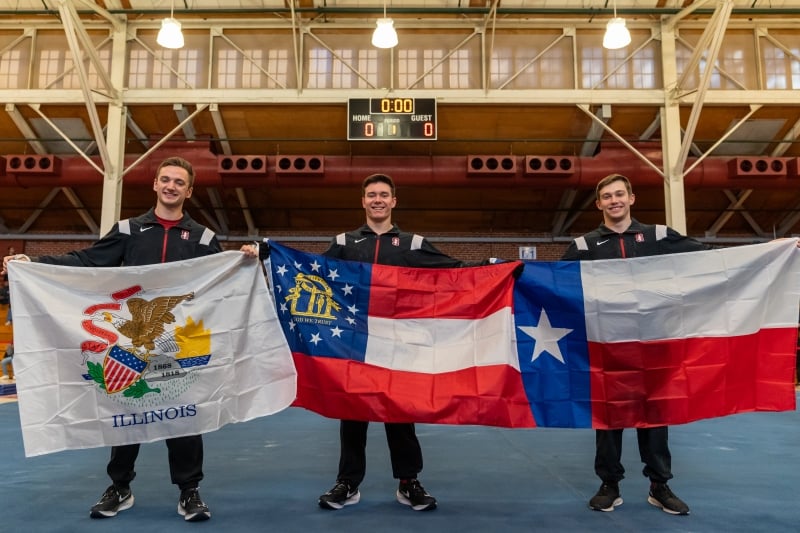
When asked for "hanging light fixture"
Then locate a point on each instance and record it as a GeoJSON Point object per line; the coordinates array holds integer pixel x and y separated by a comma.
{"type": "Point", "coordinates": [170, 34]}
{"type": "Point", "coordinates": [617, 34]}
{"type": "Point", "coordinates": [384, 35]}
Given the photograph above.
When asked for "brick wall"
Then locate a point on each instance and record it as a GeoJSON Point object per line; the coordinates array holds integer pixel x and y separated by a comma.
{"type": "Point", "coordinates": [466, 251]}
{"type": "Point", "coordinates": [36, 248]}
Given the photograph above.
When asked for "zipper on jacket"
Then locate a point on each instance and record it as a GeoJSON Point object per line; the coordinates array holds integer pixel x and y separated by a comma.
{"type": "Point", "coordinates": [164, 246]}
{"type": "Point", "coordinates": [622, 245]}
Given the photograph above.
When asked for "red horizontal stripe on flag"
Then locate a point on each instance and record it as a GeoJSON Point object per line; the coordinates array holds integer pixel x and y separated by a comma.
{"type": "Point", "coordinates": [474, 292]}
{"type": "Point", "coordinates": [661, 383]}
{"type": "Point", "coordinates": [350, 390]}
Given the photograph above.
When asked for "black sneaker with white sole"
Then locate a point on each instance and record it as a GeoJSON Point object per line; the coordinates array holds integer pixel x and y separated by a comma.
{"type": "Point", "coordinates": [606, 499]}
{"type": "Point", "coordinates": [340, 495]}
{"type": "Point", "coordinates": [191, 506]}
{"type": "Point", "coordinates": [112, 501]}
{"type": "Point", "coordinates": [662, 497]}
{"type": "Point", "coordinates": [412, 493]}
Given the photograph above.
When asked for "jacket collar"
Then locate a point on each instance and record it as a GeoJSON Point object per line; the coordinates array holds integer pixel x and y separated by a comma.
{"type": "Point", "coordinates": [366, 230]}
{"type": "Point", "coordinates": [151, 218]}
{"type": "Point", "coordinates": [635, 227]}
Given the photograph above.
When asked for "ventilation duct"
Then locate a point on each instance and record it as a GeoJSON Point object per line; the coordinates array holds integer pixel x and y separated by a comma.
{"type": "Point", "coordinates": [550, 165]}
{"type": "Point", "coordinates": [764, 167]}
{"type": "Point", "coordinates": [300, 164]}
{"type": "Point", "coordinates": [32, 164]}
{"type": "Point", "coordinates": [242, 164]}
{"type": "Point", "coordinates": [491, 164]}
{"type": "Point", "coordinates": [408, 171]}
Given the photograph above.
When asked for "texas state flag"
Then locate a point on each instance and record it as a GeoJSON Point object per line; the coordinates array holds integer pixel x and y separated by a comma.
{"type": "Point", "coordinates": [659, 340]}
{"type": "Point", "coordinates": [606, 344]}
{"type": "Point", "coordinates": [393, 344]}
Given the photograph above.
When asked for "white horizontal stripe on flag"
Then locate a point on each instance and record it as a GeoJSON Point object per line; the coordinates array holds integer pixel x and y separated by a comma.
{"type": "Point", "coordinates": [714, 293]}
{"type": "Point", "coordinates": [436, 345]}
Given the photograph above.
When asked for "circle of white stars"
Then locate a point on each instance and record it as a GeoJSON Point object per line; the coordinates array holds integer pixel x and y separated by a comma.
{"type": "Point", "coordinates": [333, 273]}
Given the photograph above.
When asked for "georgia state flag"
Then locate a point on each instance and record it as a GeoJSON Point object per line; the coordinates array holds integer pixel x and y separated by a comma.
{"type": "Point", "coordinates": [394, 344]}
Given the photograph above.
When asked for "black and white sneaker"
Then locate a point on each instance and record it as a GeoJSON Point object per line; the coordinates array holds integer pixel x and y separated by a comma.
{"type": "Point", "coordinates": [606, 499]}
{"type": "Point", "coordinates": [412, 493]}
{"type": "Point", "coordinates": [340, 495]}
{"type": "Point", "coordinates": [662, 497]}
{"type": "Point", "coordinates": [191, 506]}
{"type": "Point", "coordinates": [111, 502]}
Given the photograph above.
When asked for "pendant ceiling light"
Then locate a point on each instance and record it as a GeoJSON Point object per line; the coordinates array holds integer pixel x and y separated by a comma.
{"type": "Point", "coordinates": [617, 34]}
{"type": "Point", "coordinates": [170, 34]}
{"type": "Point", "coordinates": [384, 35]}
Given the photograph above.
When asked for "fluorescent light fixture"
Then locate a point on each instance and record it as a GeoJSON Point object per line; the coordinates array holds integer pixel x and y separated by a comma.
{"type": "Point", "coordinates": [617, 34]}
{"type": "Point", "coordinates": [170, 35]}
{"type": "Point", "coordinates": [384, 35]}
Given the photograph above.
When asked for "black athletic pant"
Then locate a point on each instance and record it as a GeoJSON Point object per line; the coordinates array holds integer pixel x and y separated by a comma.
{"type": "Point", "coordinates": [185, 462]}
{"type": "Point", "coordinates": [653, 450]}
{"type": "Point", "coordinates": [404, 450]}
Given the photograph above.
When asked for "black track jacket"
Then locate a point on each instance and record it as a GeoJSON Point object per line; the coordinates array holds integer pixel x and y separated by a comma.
{"type": "Point", "coordinates": [395, 247]}
{"type": "Point", "coordinates": [637, 241]}
{"type": "Point", "coordinates": [140, 241]}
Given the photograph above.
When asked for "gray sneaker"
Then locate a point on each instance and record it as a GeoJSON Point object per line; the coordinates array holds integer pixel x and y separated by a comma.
{"type": "Point", "coordinates": [111, 502]}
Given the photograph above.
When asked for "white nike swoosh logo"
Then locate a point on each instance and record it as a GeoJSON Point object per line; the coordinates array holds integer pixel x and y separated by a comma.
{"type": "Point", "coordinates": [359, 240]}
{"type": "Point", "coordinates": [602, 242]}
{"type": "Point", "coordinates": [145, 228]}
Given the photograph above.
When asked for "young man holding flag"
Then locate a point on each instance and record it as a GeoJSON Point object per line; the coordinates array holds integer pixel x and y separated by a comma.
{"type": "Point", "coordinates": [164, 234]}
{"type": "Point", "coordinates": [379, 240]}
{"type": "Point", "coordinates": [621, 236]}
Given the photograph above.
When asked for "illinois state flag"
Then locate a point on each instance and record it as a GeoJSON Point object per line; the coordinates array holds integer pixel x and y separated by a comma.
{"type": "Point", "coordinates": [659, 340]}
{"type": "Point", "coordinates": [112, 356]}
{"type": "Point", "coordinates": [393, 344]}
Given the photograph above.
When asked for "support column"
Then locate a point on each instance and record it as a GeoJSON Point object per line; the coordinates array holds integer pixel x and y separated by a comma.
{"type": "Point", "coordinates": [115, 135]}
{"type": "Point", "coordinates": [674, 199]}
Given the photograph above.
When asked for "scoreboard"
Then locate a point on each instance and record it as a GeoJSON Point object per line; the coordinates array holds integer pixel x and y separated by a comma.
{"type": "Point", "coordinates": [383, 119]}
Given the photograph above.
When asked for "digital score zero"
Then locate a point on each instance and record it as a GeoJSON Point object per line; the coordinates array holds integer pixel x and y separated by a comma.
{"type": "Point", "coordinates": [401, 119]}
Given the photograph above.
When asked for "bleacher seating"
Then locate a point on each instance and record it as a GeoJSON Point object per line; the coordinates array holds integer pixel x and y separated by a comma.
{"type": "Point", "coordinates": [7, 388]}
{"type": "Point", "coordinates": [6, 332]}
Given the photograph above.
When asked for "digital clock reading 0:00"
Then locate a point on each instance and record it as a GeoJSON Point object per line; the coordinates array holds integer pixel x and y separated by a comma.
{"type": "Point", "coordinates": [391, 105]}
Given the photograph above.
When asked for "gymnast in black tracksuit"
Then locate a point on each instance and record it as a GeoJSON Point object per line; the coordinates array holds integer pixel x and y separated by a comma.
{"type": "Point", "coordinates": [381, 241]}
{"type": "Point", "coordinates": [621, 236]}
{"type": "Point", "coordinates": [163, 234]}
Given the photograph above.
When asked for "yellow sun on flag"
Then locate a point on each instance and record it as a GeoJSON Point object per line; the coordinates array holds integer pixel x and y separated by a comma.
{"type": "Point", "coordinates": [193, 339]}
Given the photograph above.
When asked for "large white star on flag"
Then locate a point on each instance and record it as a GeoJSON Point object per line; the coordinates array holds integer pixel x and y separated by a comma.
{"type": "Point", "coordinates": [545, 337]}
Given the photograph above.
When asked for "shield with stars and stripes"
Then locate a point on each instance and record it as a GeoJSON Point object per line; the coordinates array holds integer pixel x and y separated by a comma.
{"type": "Point", "coordinates": [121, 369]}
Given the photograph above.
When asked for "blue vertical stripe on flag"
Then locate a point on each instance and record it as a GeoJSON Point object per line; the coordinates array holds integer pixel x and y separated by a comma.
{"type": "Point", "coordinates": [559, 391]}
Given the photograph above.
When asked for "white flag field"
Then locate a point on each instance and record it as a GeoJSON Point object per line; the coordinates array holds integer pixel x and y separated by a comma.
{"type": "Point", "coordinates": [113, 356]}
